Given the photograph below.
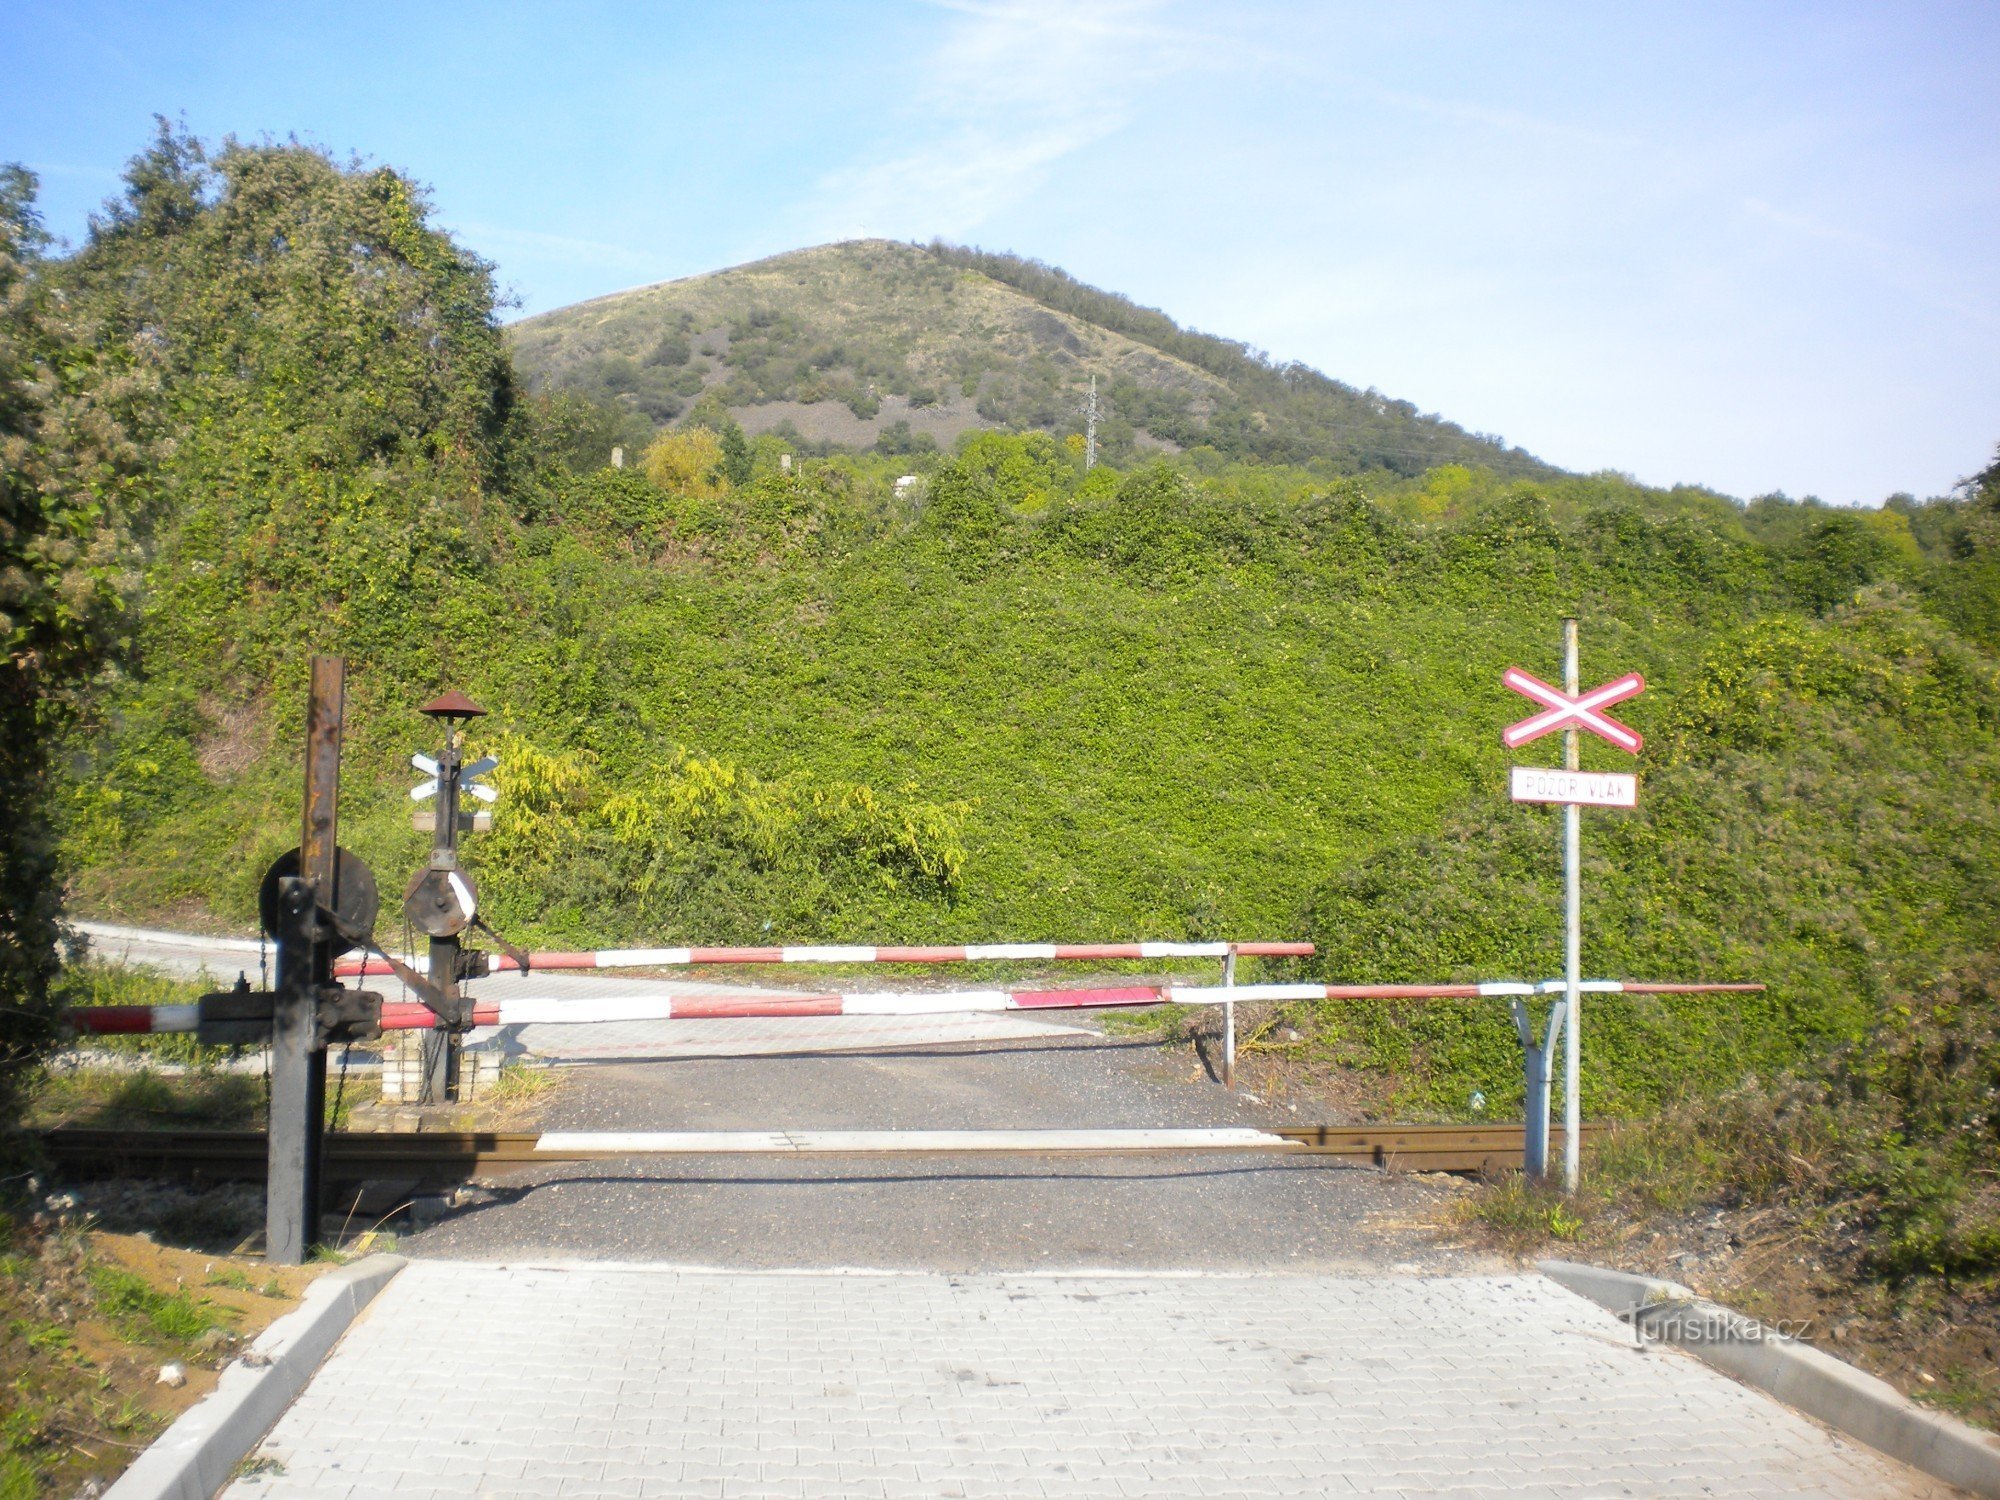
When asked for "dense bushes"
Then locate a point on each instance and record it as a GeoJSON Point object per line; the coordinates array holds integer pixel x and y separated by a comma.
{"type": "Point", "coordinates": [698, 842]}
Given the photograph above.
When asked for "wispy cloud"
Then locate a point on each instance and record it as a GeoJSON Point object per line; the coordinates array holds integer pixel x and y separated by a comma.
{"type": "Point", "coordinates": [1016, 86]}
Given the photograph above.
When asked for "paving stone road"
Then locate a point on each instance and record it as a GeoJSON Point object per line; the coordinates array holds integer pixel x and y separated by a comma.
{"type": "Point", "coordinates": [498, 1381]}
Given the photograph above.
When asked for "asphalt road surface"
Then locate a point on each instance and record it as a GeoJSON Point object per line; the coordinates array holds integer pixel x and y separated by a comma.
{"type": "Point", "coordinates": [1208, 1210]}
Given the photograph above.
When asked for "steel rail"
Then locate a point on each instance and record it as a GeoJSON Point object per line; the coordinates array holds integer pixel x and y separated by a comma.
{"type": "Point", "coordinates": [240, 1155]}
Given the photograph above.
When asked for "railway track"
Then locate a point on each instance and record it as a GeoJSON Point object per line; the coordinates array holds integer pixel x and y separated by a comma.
{"type": "Point", "coordinates": [239, 1155]}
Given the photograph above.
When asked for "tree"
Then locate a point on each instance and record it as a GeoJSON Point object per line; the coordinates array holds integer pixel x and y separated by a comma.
{"type": "Point", "coordinates": [337, 395]}
{"type": "Point", "coordinates": [735, 454]}
{"type": "Point", "coordinates": [688, 462]}
{"type": "Point", "coordinates": [71, 477]}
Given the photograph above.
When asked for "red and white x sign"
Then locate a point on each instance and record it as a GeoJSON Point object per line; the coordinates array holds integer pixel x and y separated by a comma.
{"type": "Point", "coordinates": [1580, 712]}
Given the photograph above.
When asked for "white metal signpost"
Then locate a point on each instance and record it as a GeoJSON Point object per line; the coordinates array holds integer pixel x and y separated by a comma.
{"type": "Point", "coordinates": [1569, 710]}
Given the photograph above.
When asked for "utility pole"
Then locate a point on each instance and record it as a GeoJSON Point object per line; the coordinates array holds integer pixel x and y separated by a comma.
{"type": "Point", "coordinates": [1090, 429]}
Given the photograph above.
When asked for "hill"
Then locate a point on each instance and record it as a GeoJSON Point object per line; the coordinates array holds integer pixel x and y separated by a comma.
{"type": "Point", "coordinates": [906, 346]}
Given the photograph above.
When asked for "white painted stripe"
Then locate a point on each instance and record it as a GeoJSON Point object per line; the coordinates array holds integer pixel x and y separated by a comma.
{"type": "Point", "coordinates": [637, 1141]}
{"type": "Point", "coordinates": [1505, 987]}
{"type": "Point", "coordinates": [805, 1142]}
{"type": "Point", "coordinates": [643, 958]}
{"type": "Point", "coordinates": [979, 951]}
{"type": "Point", "coordinates": [151, 939]}
{"type": "Point", "coordinates": [1588, 986]}
{"type": "Point", "coordinates": [1217, 994]}
{"type": "Point", "coordinates": [924, 1005]}
{"type": "Point", "coordinates": [535, 1011]}
{"type": "Point", "coordinates": [829, 955]}
{"type": "Point", "coordinates": [176, 1017]}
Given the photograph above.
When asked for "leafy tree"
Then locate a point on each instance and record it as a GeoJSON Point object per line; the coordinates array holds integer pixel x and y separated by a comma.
{"type": "Point", "coordinates": [735, 454]}
{"type": "Point", "coordinates": [574, 432]}
{"type": "Point", "coordinates": [1835, 557]}
{"type": "Point", "coordinates": [71, 490]}
{"type": "Point", "coordinates": [341, 417]}
{"type": "Point", "coordinates": [897, 440]}
{"type": "Point", "coordinates": [688, 462]}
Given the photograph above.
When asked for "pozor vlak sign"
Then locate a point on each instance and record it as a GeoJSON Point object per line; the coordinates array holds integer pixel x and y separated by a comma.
{"type": "Point", "coordinates": [1573, 712]}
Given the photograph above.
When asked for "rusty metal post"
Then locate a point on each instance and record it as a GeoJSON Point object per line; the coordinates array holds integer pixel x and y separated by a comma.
{"type": "Point", "coordinates": [297, 1123]}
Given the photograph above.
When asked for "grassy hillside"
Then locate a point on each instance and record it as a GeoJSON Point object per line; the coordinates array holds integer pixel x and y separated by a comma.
{"type": "Point", "coordinates": [903, 346]}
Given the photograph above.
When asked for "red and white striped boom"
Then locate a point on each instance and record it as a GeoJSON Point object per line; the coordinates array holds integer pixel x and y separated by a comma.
{"type": "Point", "coordinates": [673, 958]}
{"type": "Point", "coordinates": [543, 1011]}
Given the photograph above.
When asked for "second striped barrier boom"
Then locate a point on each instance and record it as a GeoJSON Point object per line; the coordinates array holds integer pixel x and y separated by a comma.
{"type": "Point", "coordinates": [545, 1011]}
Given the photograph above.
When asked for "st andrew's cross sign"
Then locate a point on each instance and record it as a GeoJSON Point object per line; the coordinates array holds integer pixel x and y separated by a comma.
{"type": "Point", "coordinates": [1573, 710]}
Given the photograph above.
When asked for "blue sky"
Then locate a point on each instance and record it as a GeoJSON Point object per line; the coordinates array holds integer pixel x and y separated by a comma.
{"type": "Point", "coordinates": [1752, 246]}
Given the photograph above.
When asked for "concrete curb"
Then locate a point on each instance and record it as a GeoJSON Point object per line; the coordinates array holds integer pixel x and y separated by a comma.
{"type": "Point", "coordinates": [1865, 1408]}
{"type": "Point", "coordinates": [193, 1459]}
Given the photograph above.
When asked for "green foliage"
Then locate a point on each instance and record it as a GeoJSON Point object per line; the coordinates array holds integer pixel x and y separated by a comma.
{"type": "Point", "coordinates": [72, 491]}
{"type": "Point", "coordinates": [339, 410]}
{"type": "Point", "coordinates": [1879, 1152]}
{"type": "Point", "coordinates": [1965, 534]}
{"type": "Point", "coordinates": [735, 463]}
{"type": "Point", "coordinates": [702, 844]}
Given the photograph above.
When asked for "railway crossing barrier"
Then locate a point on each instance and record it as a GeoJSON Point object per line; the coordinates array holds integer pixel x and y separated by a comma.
{"type": "Point", "coordinates": [320, 902]}
{"type": "Point", "coordinates": [768, 1005]}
